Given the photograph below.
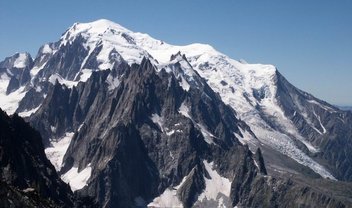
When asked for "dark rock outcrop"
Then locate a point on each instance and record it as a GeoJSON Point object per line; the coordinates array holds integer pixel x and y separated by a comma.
{"type": "Point", "coordinates": [251, 189]}
{"type": "Point", "coordinates": [12, 197]}
{"type": "Point", "coordinates": [23, 163]}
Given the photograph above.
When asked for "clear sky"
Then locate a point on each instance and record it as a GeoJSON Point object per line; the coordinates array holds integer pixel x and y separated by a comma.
{"type": "Point", "coordinates": [310, 41]}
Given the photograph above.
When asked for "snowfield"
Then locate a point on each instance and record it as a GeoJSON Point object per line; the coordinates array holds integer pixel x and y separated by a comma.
{"type": "Point", "coordinates": [58, 148]}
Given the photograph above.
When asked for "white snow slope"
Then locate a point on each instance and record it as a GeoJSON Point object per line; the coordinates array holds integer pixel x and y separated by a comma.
{"type": "Point", "coordinates": [9, 103]}
{"type": "Point", "coordinates": [77, 179]}
{"type": "Point", "coordinates": [217, 188]}
{"type": "Point", "coordinates": [21, 61]}
{"type": "Point", "coordinates": [57, 150]}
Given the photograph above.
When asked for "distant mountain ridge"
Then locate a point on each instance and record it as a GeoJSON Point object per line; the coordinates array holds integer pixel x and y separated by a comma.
{"type": "Point", "coordinates": [115, 106]}
{"type": "Point", "coordinates": [348, 108]}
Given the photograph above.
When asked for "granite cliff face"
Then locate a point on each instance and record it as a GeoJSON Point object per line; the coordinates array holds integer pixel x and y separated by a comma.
{"type": "Point", "coordinates": [133, 121]}
{"type": "Point", "coordinates": [145, 135]}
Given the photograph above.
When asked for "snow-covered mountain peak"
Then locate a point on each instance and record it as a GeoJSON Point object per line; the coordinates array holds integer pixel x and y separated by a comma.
{"type": "Point", "coordinates": [18, 60]}
{"type": "Point", "coordinates": [110, 37]}
{"type": "Point", "coordinates": [105, 23]}
{"type": "Point", "coordinates": [102, 44]}
{"type": "Point", "coordinates": [22, 60]}
{"type": "Point", "coordinates": [96, 28]}
{"type": "Point", "coordinates": [183, 71]}
{"type": "Point", "coordinates": [281, 119]}
{"type": "Point", "coordinates": [163, 51]}
{"type": "Point", "coordinates": [133, 46]}
{"type": "Point", "coordinates": [102, 40]}
{"type": "Point", "coordinates": [46, 49]}
{"type": "Point", "coordinates": [181, 59]}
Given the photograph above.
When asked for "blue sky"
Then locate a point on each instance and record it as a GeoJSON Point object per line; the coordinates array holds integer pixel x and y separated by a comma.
{"type": "Point", "coordinates": [310, 41]}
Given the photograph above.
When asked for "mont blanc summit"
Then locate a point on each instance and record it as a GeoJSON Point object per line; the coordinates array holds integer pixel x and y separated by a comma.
{"type": "Point", "coordinates": [128, 120]}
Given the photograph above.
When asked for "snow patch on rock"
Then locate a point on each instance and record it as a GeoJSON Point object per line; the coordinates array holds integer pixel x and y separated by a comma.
{"type": "Point", "coordinates": [57, 150]}
{"type": "Point", "coordinates": [21, 61]}
{"type": "Point", "coordinates": [217, 188]}
{"type": "Point", "coordinates": [47, 49]}
{"type": "Point", "coordinates": [208, 137]}
{"type": "Point", "coordinates": [77, 179]}
{"type": "Point", "coordinates": [168, 198]}
{"type": "Point", "coordinates": [56, 77]}
{"type": "Point", "coordinates": [28, 112]}
{"type": "Point", "coordinates": [113, 82]}
{"type": "Point", "coordinates": [158, 120]}
{"type": "Point", "coordinates": [184, 110]}
{"type": "Point", "coordinates": [9, 103]}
